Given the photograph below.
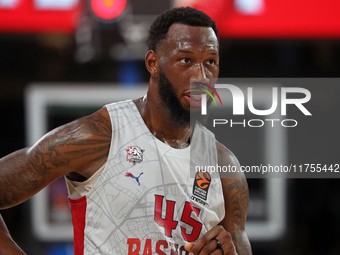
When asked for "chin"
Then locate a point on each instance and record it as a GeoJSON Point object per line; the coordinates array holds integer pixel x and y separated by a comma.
{"type": "Point", "coordinates": [195, 109]}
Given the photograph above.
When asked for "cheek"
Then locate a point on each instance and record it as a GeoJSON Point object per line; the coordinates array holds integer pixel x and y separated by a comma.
{"type": "Point", "coordinates": [178, 75]}
{"type": "Point", "coordinates": [181, 78]}
{"type": "Point", "coordinates": [215, 72]}
{"type": "Point", "coordinates": [212, 70]}
{"type": "Point", "coordinates": [184, 77]}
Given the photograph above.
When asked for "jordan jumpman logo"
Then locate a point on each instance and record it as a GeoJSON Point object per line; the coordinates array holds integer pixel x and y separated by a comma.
{"type": "Point", "coordinates": [127, 174]}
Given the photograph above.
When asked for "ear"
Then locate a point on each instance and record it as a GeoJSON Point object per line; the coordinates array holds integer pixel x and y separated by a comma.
{"type": "Point", "coordinates": [151, 63]}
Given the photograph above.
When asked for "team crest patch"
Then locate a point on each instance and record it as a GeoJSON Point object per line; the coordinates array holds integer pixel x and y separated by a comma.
{"type": "Point", "coordinates": [134, 154]}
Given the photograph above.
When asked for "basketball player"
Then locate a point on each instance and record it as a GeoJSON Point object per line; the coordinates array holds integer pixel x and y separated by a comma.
{"type": "Point", "coordinates": [127, 166]}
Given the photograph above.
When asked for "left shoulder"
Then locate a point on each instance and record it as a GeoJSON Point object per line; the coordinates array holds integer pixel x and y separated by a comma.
{"type": "Point", "coordinates": [227, 159]}
{"type": "Point", "coordinates": [233, 179]}
{"type": "Point", "coordinates": [234, 182]}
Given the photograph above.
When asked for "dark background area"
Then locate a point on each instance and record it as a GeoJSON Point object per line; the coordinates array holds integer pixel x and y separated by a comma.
{"type": "Point", "coordinates": [313, 208]}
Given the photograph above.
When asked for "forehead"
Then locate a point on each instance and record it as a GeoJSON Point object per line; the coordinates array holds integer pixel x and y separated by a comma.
{"type": "Point", "coordinates": [182, 36]}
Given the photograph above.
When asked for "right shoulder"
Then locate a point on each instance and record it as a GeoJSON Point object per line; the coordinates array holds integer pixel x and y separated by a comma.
{"type": "Point", "coordinates": [97, 124]}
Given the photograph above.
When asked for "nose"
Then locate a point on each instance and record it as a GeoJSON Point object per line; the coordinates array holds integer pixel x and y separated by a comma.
{"type": "Point", "coordinates": [199, 74]}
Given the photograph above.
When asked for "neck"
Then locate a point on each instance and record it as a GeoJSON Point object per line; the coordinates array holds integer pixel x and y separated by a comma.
{"type": "Point", "coordinates": [158, 119]}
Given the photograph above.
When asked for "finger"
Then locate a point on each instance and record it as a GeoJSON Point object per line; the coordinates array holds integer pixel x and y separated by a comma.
{"type": "Point", "coordinates": [217, 252]}
{"type": "Point", "coordinates": [204, 248]}
{"type": "Point", "coordinates": [226, 243]}
{"type": "Point", "coordinates": [219, 248]}
{"type": "Point", "coordinates": [188, 246]}
{"type": "Point", "coordinates": [206, 239]}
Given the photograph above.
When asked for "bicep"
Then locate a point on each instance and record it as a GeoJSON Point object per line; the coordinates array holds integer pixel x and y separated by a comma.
{"type": "Point", "coordinates": [81, 146]}
{"type": "Point", "coordinates": [23, 173]}
{"type": "Point", "coordinates": [17, 179]}
{"type": "Point", "coordinates": [74, 147]}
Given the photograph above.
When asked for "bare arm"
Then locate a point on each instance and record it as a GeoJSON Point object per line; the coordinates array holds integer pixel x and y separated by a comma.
{"type": "Point", "coordinates": [236, 199]}
{"type": "Point", "coordinates": [81, 146]}
{"type": "Point", "coordinates": [7, 245]}
{"type": "Point", "coordinates": [229, 235]}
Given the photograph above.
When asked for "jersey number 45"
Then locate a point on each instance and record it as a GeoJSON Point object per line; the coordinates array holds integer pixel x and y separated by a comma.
{"type": "Point", "coordinates": [170, 224]}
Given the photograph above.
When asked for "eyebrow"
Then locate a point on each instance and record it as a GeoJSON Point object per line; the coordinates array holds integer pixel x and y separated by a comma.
{"type": "Point", "coordinates": [185, 51]}
{"type": "Point", "coordinates": [188, 51]}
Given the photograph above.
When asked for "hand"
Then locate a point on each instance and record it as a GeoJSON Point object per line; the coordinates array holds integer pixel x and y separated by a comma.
{"type": "Point", "coordinates": [217, 241]}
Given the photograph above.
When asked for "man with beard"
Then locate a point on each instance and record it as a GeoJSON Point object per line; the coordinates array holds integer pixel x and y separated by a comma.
{"type": "Point", "coordinates": [127, 166]}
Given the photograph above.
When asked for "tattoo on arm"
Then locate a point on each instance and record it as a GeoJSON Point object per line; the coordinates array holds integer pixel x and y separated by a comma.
{"type": "Point", "coordinates": [16, 178]}
{"type": "Point", "coordinates": [239, 207]}
{"type": "Point", "coordinates": [68, 145]}
{"type": "Point", "coordinates": [236, 196]}
{"type": "Point", "coordinates": [74, 147]}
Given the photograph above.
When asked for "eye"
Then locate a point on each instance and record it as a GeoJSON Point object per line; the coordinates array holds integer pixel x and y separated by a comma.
{"type": "Point", "coordinates": [185, 60]}
{"type": "Point", "coordinates": [211, 62]}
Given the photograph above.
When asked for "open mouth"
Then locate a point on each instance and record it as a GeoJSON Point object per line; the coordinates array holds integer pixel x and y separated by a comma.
{"type": "Point", "coordinates": [194, 97]}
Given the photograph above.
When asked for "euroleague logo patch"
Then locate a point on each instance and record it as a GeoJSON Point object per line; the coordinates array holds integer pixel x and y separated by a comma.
{"type": "Point", "coordinates": [201, 187]}
{"type": "Point", "coordinates": [134, 154]}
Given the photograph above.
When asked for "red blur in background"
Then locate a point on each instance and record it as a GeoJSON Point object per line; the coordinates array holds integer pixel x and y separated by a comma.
{"type": "Point", "coordinates": [234, 18]}
{"type": "Point", "coordinates": [274, 18]}
{"type": "Point", "coordinates": [26, 17]}
{"type": "Point", "coordinates": [106, 13]}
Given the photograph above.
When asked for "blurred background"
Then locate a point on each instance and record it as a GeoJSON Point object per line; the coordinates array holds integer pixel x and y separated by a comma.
{"type": "Point", "coordinates": [84, 43]}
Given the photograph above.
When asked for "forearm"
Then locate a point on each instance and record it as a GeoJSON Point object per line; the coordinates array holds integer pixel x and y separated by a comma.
{"type": "Point", "coordinates": [7, 245]}
{"type": "Point", "coordinates": [242, 243]}
{"type": "Point", "coordinates": [18, 181]}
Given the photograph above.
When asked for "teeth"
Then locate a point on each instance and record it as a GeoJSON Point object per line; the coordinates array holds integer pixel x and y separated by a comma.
{"type": "Point", "coordinates": [196, 97]}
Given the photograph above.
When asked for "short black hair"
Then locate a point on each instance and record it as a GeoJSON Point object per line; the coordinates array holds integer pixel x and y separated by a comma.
{"type": "Point", "coordinates": [182, 15]}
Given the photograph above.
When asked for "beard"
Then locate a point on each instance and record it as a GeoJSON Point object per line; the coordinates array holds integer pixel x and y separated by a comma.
{"type": "Point", "coordinates": [179, 115]}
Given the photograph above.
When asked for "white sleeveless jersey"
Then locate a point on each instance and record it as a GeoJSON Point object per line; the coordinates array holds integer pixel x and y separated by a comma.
{"type": "Point", "coordinates": [145, 200]}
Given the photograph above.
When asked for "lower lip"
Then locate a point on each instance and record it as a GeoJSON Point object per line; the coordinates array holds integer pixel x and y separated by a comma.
{"type": "Point", "coordinates": [193, 103]}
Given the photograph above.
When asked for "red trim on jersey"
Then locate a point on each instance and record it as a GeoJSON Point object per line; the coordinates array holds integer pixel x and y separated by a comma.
{"type": "Point", "coordinates": [78, 211]}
